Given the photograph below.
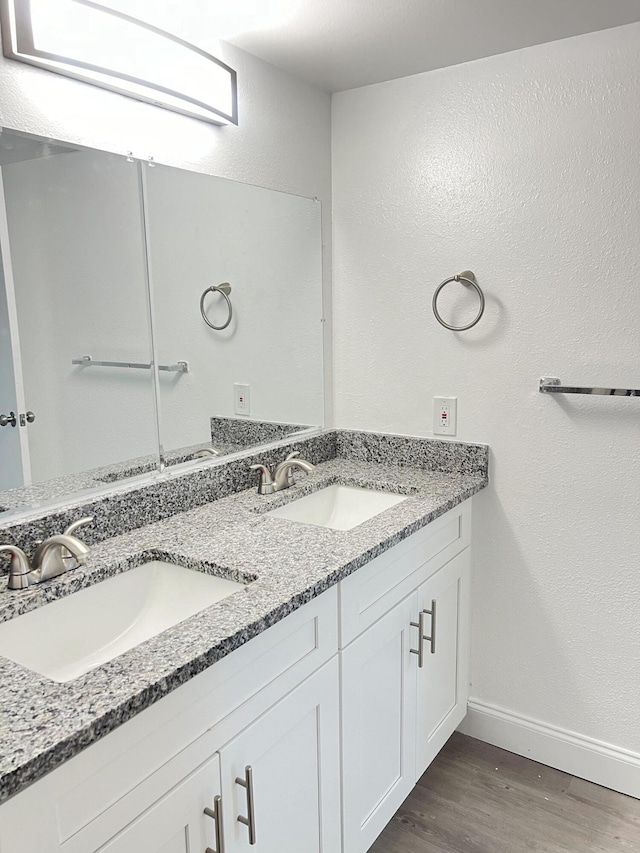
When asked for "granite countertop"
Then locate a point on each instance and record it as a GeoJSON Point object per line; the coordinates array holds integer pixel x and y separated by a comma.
{"type": "Point", "coordinates": [59, 487]}
{"type": "Point", "coordinates": [228, 436]}
{"type": "Point", "coordinates": [287, 564]}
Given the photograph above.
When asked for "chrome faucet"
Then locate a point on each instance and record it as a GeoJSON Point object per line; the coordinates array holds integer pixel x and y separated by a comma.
{"type": "Point", "coordinates": [54, 556]}
{"type": "Point", "coordinates": [281, 477]}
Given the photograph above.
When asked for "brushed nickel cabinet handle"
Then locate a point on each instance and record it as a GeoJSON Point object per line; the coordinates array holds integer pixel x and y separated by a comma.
{"type": "Point", "coordinates": [250, 821]}
{"type": "Point", "coordinates": [421, 629]}
{"type": "Point", "coordinates": [432, 639]}
{"type": "Point", "coordinates": [216, 815]}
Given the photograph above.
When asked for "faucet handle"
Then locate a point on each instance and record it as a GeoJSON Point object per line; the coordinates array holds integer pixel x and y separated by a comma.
{"type": "Point", "coordinates": [290, 478]}
{"type": "Point", "coordinates": [265, 486]}
{"type": "Point", "coordinates": [79, 523]}
{"type": "Point", "coordinates": [65, 553]}
{"type": "Point", "coordinates": [265, 469]}
{"type": "Point", "coordinates": [19, 568]}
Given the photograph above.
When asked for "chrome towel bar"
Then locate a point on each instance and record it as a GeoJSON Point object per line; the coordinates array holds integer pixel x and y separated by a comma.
{"type": "Point", "coordinates": [88, 361]}
{"type": "Point", "coordinates": [552, 385]}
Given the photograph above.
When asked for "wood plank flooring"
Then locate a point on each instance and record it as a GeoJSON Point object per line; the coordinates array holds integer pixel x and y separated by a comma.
{"type": "Point", "coordinates": [476, 798]}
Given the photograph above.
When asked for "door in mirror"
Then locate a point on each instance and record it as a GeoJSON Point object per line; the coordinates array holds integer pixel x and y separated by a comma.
{"type": "Point", "coordinates": [73, 258]}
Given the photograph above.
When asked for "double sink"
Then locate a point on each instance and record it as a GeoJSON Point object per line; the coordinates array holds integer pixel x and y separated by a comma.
{"type": "Point", "coordinates": [69, 637]}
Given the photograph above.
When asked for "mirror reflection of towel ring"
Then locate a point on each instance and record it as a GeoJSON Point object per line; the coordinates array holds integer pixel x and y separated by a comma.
{"type": "Point", "coordinates": [224, 290]}
{"type": "Point", "coordinates": [467, 278]}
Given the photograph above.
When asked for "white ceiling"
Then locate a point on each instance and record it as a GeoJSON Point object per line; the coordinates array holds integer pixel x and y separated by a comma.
{"type": "Point", "coordinates": [342, 44]}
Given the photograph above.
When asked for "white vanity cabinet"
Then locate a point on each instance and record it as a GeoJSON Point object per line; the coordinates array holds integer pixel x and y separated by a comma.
{"type": "Point", "coordinates": [287, 764]}
{"type": "Point", "coordinates": [272, 704]}
{"type": "Point", "coordinates": [402, 697]}
{"type": "Point", "coordinates": [304, 740]}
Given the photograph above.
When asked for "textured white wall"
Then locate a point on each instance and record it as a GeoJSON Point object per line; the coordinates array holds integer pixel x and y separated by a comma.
{"type": "Point", "coordinates": [524, 168]}
{"type": "Point", "coordinates": [282, 141]}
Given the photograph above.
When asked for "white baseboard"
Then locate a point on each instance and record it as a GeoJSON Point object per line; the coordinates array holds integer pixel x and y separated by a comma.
{"type": "Point", "coordinates": [599, 762]}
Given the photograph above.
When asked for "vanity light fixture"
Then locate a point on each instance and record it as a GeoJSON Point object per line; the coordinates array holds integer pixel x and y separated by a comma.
{"type": "Point", "coordinates": [91, 42]}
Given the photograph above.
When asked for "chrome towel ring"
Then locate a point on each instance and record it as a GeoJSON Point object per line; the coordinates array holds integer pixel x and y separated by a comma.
{"type": "Point", "coordinates": [224, 290]}
{"type": "Point", "coordinates": [467, 278]}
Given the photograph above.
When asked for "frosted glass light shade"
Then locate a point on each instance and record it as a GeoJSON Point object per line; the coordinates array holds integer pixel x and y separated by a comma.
{"type": "Point", "coordinates": [99, 45]}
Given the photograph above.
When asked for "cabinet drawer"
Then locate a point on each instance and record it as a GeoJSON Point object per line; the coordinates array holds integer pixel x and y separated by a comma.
{"type": "Point", "coordinates": [369, 593]}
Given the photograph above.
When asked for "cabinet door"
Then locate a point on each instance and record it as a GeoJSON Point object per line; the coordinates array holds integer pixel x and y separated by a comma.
{"type": "Point", "coordinates": [176, 823]}
{"type": "Point", "coordinates": [443, 681]}
{"type": "Point", "coordinates": [378, 724]}
{"type": "Point", "coordinates": [293, 752]}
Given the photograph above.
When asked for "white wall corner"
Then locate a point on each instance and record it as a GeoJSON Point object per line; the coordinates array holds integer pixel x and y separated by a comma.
{"type": "Point", "coordinates": [587, 758]}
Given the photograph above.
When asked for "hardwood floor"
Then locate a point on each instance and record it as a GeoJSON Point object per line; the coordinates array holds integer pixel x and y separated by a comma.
{"type": "Point", "coordinates": [476, 798]}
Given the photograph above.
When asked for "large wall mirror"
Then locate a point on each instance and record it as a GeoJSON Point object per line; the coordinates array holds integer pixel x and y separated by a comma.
{"type": "Point", "coordinates": [149, 316]}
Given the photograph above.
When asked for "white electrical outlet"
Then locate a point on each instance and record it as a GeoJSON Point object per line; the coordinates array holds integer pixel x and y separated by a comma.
{"type": "Point", "coordinates": [445, 415]}
{"type": "Point", "coordinates": [241, 399]}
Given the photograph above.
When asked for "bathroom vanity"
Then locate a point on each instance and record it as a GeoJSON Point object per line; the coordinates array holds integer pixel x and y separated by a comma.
{"type": "Point", "coordinates": [295, 715]}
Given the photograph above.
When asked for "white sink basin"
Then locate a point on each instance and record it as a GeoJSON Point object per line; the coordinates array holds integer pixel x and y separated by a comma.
{"type": "Point", "coordinates": [71, 636]}
{"type": "Point", "coordinates": [338, 507]}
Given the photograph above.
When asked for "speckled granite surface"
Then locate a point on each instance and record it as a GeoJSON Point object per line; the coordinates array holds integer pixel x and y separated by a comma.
{"type": "Point", "coordinates": [228, 435]}
{"type": "Point", "coordinates": [45, 723]}
{"type": "Point", "coordinates": [229, 439]}
{"type": "Point", "coordinates": [134, 467]}
{"type": "Point", "coordinates": [128, 506]}
{"type": "Point", "coordinates": [245, 431]}
{"type": "Point", "coordinates": [434, 454]}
